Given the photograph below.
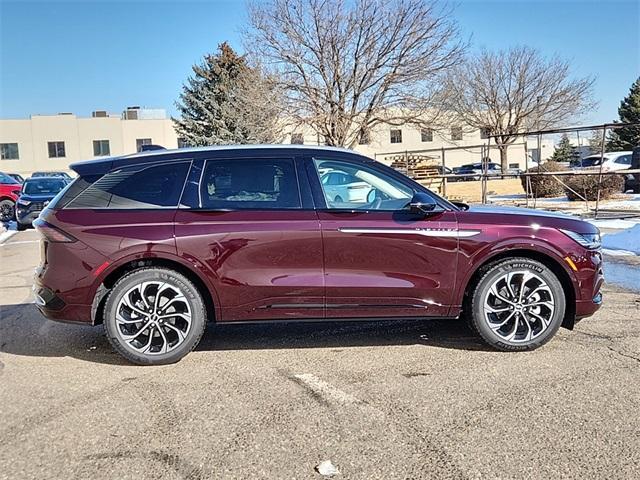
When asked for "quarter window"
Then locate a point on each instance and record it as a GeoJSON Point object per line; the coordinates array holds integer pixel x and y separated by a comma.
{"type": "Point", "coordinates": [395, 136]}
{"type": "Point", "coordinates": [9, 151]}
{"type": "Point", "coordinates": [101, 148]}
{"type": "Point", "coordinates": [249, 184]}
{"type": "Point", "coordinates": [354, 186]}
{"type": "Point", "coordinates": [56, 149]}
{"type": "Point", "coordinates": [137, 187]}
{"type": "Point", "coordinates": [624, 159]}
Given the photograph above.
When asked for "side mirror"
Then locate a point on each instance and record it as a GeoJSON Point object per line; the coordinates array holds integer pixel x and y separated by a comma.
{"type": "Point", "coordinates": [424, 204]}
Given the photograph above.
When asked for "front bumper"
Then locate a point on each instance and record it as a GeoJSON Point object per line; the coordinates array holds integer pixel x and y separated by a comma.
{"type": "Point", "coordinates": [26, 217]}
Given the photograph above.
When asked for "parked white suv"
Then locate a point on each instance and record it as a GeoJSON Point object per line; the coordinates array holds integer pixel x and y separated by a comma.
{"type": "Point", "coordinates": [342, 187]}
{"type": "Point", "coordinates": [612, 161]}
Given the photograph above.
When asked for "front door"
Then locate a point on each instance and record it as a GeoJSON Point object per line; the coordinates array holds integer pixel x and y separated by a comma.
{"type": "Point", "coordinates": [380, 260]}
{"type": "Point", "coordinates": [249, 232]}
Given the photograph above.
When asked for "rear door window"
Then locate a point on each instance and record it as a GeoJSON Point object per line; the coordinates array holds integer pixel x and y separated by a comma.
{"type": "Point", "coordinates": [244, 184]}
{"type": "Point", "coordinates": [137, 187]}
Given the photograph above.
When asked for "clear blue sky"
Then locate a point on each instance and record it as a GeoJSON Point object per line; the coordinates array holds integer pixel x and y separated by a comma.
{"type": "Point", "coordinates": [84, 55]}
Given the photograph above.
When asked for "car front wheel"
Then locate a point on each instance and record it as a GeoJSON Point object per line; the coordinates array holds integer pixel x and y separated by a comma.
{"type": "Point", "coordinates": [154, 316]}
{"type": "Point", "coordinates": [518, 304]}
{"type": "Point", "coordinates": [7, 210]}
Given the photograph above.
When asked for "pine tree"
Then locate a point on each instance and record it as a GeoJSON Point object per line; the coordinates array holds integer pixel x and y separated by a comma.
{"type": "Point", "coordinates": [625, 138]}
{"type": "Point", "coordinates": [595, 142]}
{"type": "Point", "coordinates": [226, 101]}
{"type": "Point", "coordinates": [564, 151]}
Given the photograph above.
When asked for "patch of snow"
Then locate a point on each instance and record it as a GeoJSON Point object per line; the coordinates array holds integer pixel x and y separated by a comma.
{"type": "Point", "coordinates": [327, 469]}
{"type": "Point", "coordinates": [614, 223]}
{"type": "Point", "coordinates": [6, 234]}
{"type": "Point", "coordinates": [618, 253]}
{"type": "Point", "coordinates": [628, 240]}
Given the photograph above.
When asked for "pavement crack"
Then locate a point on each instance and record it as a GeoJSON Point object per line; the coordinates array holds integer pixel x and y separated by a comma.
{"type": "Point", "coordinates": [632, 357]}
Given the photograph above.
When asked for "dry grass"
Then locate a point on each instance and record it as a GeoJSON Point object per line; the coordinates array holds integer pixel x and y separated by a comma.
{"type": "Point", "coordinates": [472, 191]}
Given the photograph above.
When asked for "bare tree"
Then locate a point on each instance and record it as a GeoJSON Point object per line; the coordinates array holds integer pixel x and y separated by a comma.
{"type": "Point", "coordinates": [345, 66]}
{"type": "Point", "coordinates": [509, 92]}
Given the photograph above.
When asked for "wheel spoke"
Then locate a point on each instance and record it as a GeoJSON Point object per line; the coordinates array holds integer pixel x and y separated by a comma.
{"type": "Point", "coordinates": [177, 298]}
{"type": "Point", "coordinates": [129, 338]}
{"type": "Point", "coordinates": [180, 333]}
{"type": "Point", "coordinates": [127, 302]}
{"type": "Point", "coordinates": [501, 324]}
{"type": "Point", "coordinates": [494, 292]}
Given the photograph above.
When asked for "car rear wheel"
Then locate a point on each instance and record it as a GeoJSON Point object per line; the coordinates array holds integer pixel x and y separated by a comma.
{"type": "Point", "coordinates": [154, 316]}
{"type": "Point", "coordinates": [7, 210]}
{"type": "Point", "coordinates": [518, 304]}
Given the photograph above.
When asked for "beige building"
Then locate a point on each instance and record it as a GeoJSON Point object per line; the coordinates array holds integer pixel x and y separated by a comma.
{"type": "Point", "coordinates": [458, 145]}
{"type": "Point", "coordinates": [52, 142]}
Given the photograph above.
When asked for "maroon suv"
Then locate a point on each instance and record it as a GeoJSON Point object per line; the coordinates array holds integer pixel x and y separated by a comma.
{"type": "Point", "coordinates": [155, 245]}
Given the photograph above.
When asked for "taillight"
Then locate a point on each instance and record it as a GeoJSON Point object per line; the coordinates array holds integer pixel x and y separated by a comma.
{"type": "Point", "coordinates": [52, 233]}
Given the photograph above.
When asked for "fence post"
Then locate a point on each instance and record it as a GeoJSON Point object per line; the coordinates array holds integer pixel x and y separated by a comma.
{"type": "Point", "coordinates": [444, 179]}
{"type": "Point", "coordinates": [604, 138]}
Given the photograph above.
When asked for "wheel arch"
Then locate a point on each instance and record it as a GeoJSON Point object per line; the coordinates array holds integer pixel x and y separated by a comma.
{"type": "Point", "coordinates": [125, 267]}
{"type": "Point", "coordinates": [549, 261]}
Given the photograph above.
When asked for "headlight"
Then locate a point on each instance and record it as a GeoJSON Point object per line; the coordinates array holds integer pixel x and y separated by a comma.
{"type": "Point", "coordinates": [587, 240]}
{"type": "Point", "coordinates": [24, 203]}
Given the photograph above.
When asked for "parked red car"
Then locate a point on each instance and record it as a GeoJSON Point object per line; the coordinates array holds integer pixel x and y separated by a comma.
{"type": "Point", "coordinates": [157, 244]}
{"type": "Point", "coordinates": [9, 193]}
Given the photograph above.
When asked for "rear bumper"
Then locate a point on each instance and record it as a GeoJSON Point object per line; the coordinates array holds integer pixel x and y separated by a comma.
{"type": "Point", "coordinates": [54, 308]}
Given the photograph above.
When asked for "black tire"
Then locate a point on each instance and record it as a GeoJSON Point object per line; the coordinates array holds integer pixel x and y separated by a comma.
{"type": "Point", "coordinates": [490, 275]}
{"type": "Point", "coordinates": [7, 210]}
{"type": "Point", "coordinates": [21, 226]}
{"type": "Point", "coordinates": [175, 280]}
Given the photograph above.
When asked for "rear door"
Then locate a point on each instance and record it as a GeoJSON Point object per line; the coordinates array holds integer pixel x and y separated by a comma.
{"type": "Point", "coordinates": [381, 260]}
{"type": "Point", "coordinates": [247, 223]}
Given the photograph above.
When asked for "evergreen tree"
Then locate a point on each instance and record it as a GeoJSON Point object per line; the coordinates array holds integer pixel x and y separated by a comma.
{"type": "Point", "coordinates": [226, 101]}
{"type": "Point", "coordinates": [595, 142]}
{"type": "Point", "coordinates": [625, 138]}
{"type": "Point", "coordinates": [564, 151]}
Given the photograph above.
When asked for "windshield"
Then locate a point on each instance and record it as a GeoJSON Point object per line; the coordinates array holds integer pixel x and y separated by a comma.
{"type": "Point", "coordinates": [48, 186]}
{"type": "Point", "coordinates": [6, 179]}
{"type": "Point", "coordinates": [591, 161]}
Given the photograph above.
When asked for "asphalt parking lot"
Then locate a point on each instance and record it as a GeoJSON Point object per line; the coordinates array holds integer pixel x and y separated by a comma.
{"type": "Point", "coordinates": [393, 399]}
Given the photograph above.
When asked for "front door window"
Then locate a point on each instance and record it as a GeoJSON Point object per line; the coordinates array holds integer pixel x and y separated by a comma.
{"type": "Point", "coordinates": [355, 186]}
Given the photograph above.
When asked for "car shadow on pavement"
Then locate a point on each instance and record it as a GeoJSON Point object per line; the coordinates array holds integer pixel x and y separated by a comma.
{"type": "Point", "coordinates": [25, 332]}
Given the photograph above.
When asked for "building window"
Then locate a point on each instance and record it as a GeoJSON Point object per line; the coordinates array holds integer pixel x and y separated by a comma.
{"type": "Point", "coordinates": [456, 133]}
{"type": "Point", "coordinates": [183, 143]}
{"type": "Point", "coordinates": [56, 149]}
{"type": "Point", "coordinates": [9, 151]}
{"type": "Point", "coordinates": [514, 165]}
{"type": "Point", "coordinates": [101, 148]}
{"type": "Point", "coordinates": [395, 136]}
{"type": "Point", "coordinates": [142, 141]}
{"type": "Point", "coordinates": [297, 139]}
{"type": "Point", "coordinates": [364, 138]}
{"type": "Point", "coordinates": [485, 132]}
{"type": "Point", "coordinates": [426, 134]}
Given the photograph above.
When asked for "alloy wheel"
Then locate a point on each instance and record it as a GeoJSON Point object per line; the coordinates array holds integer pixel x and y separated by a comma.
{"type": "Point", "coordinates": [153, 317]}
{"type": "Point", "coordinates": [6, 212]}
{"type": "Point", "coordinates": [519, 306]}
